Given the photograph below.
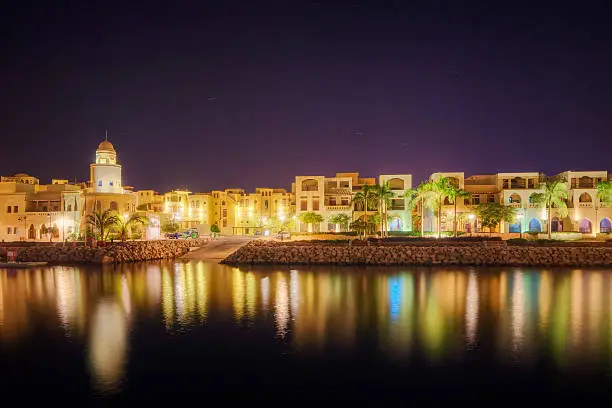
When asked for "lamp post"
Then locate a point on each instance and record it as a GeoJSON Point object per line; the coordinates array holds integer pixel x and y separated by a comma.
{"type": "Point", "coordinates": [471, 218]}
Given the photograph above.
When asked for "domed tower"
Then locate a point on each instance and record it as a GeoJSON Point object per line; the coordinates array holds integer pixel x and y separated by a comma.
{"type": "Point", "coordinates": [105, 173]}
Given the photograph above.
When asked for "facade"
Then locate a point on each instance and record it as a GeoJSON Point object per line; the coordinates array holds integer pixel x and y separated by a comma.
{"type": "Point", "coordinates": [329, 196]}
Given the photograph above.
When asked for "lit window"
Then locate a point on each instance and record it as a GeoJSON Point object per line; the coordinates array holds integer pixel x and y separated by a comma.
{"type": "Point", "coordinates": [16, 209]}
{"type": "Point", "coordinates": [9, 209]}
{"type": "Point", "coordinates": [100, 183]}
{"type": "Point", "coordinates": [9, 230]}
{"type": "Point", "coordinates": [110, 183]}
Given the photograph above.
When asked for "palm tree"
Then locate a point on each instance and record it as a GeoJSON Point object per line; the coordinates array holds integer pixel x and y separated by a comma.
{"type": "Point", "coordinates": [125, 225]}
{"type": "Point", "coordinates": [554, 193]}
{"type": "Point", "coordinates": [454, 193]}
{"type": "Point", "coordinates": [435, 193]}
{"type": "Point", "coordinates": [365, 198]}
{"type": "Point", "coordinates": [417, 196]}
{"type": "Point", "coordinates": [382, 194]}
{"type": "Point", "coordinates": [102, 222]}
{"type": "Point", "coordinates": [604, 195]}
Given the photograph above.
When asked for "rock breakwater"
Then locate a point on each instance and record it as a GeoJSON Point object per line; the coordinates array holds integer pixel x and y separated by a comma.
{"type": "Point", "coordinates": [133, 251]}
{"type": "Point", "coordinates": [477, 254]}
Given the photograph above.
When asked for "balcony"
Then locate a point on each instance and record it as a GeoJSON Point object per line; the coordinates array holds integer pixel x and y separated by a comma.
{"type": "Point", "coordinates": [533, 205]}
{"type": "Point", "coordinates": [397, 208]}
{"type": "Point", "coordinates": [338, 207]}
{"type": "Point", "coordinates": [585, 205]}
{"type": "Point", "coordinates": [515, 205]}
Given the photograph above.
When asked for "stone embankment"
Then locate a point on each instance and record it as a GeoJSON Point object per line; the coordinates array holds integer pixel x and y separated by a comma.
{"type": "Point", "coordinates": [481, 254]}
{"type": "Point", "coordinates": [133, 251]}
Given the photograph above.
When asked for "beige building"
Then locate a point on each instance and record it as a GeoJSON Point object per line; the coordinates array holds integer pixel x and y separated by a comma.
{"type": "Point", "coordinates": [329, 196]}
{"type": "Point", "coordinates": [39, 212]}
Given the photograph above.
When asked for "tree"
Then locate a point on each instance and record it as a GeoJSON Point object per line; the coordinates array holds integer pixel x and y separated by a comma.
{"type": "Point", "coordinates": [416, 198]}
{"type": "Point", "coordinates": [359, 226]}
{"type": "Point", "coordinates": [102, 222]}
{"type": "Point", "coordinates": [491, 214]}
{"type": "Point", "coordinates": [383, 194]}
{"type": "Point", "coordinates": [604, 195]}
{"type": "Point", "coordinates": [215, 229]}
{"type": "Point", "coordinates": [170, 227]}
{"type": "Point", "coordinates": [341, 220]}
{"type": "Point", "coordinates": [455, 193]}
{"type": "Point", "coordinates": [310, 218]}
{"type": "Point", "coordinates": [431, 194]}
{"type": "Point", "coordinates": [554, 193]}
{"type": "Point", "coordinates": [124, 225]}
{"type": "Point", "coordinates": [366, 198]}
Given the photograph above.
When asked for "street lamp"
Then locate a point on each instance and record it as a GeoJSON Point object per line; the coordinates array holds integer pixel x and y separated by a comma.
{"type": "Point", "coordinates": [471, 218]}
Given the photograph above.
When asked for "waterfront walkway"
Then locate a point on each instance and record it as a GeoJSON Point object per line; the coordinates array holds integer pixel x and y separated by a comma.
{"type": "Point", "coordinates": [217, 249]}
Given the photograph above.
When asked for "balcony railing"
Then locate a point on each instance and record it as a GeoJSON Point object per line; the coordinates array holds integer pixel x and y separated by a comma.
{"type": "Point", "coordinates": [514, 205]}
{"type": "Point", "coordinates": [533, 205]}
{"type": "Point", "coordinates": [585, 205]}
{"type": "Point", "coordinates": [338, 207]}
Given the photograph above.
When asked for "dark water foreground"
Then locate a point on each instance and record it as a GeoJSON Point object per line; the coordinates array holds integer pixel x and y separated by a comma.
{"type": "Point", "coordinates": [210, 333]}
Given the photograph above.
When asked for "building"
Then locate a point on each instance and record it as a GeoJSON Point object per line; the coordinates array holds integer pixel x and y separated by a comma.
{"type": "Point", "coordinates": [106, 190]}
{"type": "Point", "coordinates": [39, 212]}
{"type": "Point", "coordinates": [329, 196]}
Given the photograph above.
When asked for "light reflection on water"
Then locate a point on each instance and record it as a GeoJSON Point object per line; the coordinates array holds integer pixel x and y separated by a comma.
{"type": "Point", "coordinates": [519, 316]}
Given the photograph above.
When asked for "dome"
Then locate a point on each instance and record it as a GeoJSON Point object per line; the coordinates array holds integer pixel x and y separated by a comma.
{"type": "Point", "coordinates": [106, 145]}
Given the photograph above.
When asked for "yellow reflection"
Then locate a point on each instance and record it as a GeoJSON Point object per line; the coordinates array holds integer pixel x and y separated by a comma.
{"type": "Point", "coordinates": [281, 307]}
{"type": "Point", "coordinates": [294, 288]}
{"type": "Point", "coordinates": [576, 308]}
{"type": "Point", "coordinates": [66, 303]}
{"type": "Point", "coordinates": [167, 298]}
{"type": "Point", "coordinates": [239, 293]}
{"type": "Point", "coordinates": [107, 348]}
{"type": "Point", "coordinates": [518, 311]}
{"type": "Point", "coordinates": [545, 298]}
{"type": "Point", "coordinates": [251, 295]}
{"type": "Point", "coordinates": [201, 291]}
{"type": "Point", "coordinates": [471, 309]}
{"type": "Point", "coordinates": [265, 293]}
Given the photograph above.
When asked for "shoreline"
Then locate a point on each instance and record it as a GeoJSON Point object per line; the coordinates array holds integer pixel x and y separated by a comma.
{"type": "Point", "coordinates": [476, 254]}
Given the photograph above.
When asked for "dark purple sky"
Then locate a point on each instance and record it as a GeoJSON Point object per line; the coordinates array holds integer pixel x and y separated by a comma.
{"type": "Point", "coordinates": [238, 95]}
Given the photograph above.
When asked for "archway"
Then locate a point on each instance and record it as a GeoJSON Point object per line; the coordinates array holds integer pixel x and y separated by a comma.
{"type": "Point", "coordinates": [114, 206]}
{"type": "Point", "coordinates": [515, 198]}
{"type": "Point", "coordinates": [516, 227]}
{"type": "Point", "coordinates": [585, 226]}
{"type": "Point", "coordinates": [31, 232]}
{"type": "Point", "coordinates": [605, 225]}
{"type": "Point", "coordinates": [535, 225]}
{"type": "Point", "coordinates": [310, 185]}
{"type": "Point", "coordinates": [396, 184]}
{"type": "Point", "coordinates": [556, 225]}
{"type": "Point", "coordinates": [585, 198]}
{"type": "Point", "coordinates": [395, 224]}
{"type": "Point", "coordinates": [43, 230]}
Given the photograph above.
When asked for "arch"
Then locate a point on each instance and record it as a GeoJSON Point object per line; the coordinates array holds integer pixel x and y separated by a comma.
{"type": "Point", "coordinates": [31, 232]}
{"type": "Point", "coordinates": [556, 225]}
{"type": "Point", "coordinates": [605, 225]}
{"type": "Point", "coordinates": [310, 185]}
{"type": "Point", "coordinates": [114, 206]}
{"type": "Point", "coordinates": [69, 207]}
{"type": "Point", "coordinates": [265, 204]}
{"type": "Point", "coordinates": [395, 224]}
{"type": "Point", "coordinates": [396, 183]}
{"type": "Point", "coordinates": [43, 230]}
{"type": "Point", "coordinates": [514, 198]}
{"type": "Point", "coordinates": [585, 226]}
{"type": "Point", "coordinates": [447, 201]}
{"type": "Point", "coordinates": [55, 231]}
{"type": "Point", "coordinates": [535, 225]}
{"type": "Point", "coordinates": [516, 227]}
{"type": "Point", "coordinates": [585, 198]}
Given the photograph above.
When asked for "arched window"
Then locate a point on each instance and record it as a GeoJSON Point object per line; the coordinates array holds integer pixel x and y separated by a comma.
{"type": "Point", "coordinates": [69, 207]}
{"type": "Point", "coordinates": [114, 206]}
{"type": "Point", "coordinates": [515, 198]}
{"type": "Point", "coordinates": [110, 183]}
{"type": "Point", "coordinates": [532, 198]}
{"type": "Point", "coordinates": [31, 232]}
{"type": "Point", "coordinates": [43, 230]}
{"type": "Point", "coordinates": [556, 225]}
{"type": "Point", "coordinates": [99, 183]}
{"type": "Point", "coordinates": [516, 227]}
{"type": "Point", "coordinates": [265, 204]}
{"type": "Point", "coordinates": [585, 226]}
{"type": "Point", "coordinates": [310, 185]}
{"type": "Point", "coordinates": [585, 198]}
{"type": "Point", "coordinates": [535, 225]}
{"type": "Point", "coordinates": [396, 184]}
{"type": "Point", "coordinates": [446, 201]}
{"type": "Point", "coordinates": [605, 225]}
{"type": "Point", "coordinates": [395, 224]}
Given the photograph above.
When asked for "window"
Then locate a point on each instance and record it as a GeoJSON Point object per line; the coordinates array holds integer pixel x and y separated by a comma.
{"type": "Point", "coordinates": [110, 183]}
{"type": "Point", "coordinates": [99, 183]}
{"type": "Point", "coordinates": [475, 200]}
{"type": "Point", "coordinates": [9, 209]}
{"type": "Point", "coordinates": [114, 206]}
{"type": "Point", "coordinates": [9, 230]}
{"type": "Point", "coordinates": [315, 204]}
{"type": "Point", "coordinates": [16, 209]}
{"type": "Point", "coordinates": [303, 205]}
{"type": "Point", "coordinates": [266, 204]}
{"type": "Point", "coordinates": [491, 198]}
{"type": "Point", "coordinates": [15, 230]}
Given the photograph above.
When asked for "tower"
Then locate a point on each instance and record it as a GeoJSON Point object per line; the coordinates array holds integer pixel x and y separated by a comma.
{"type": "Point", "coordinates": [105, 173]}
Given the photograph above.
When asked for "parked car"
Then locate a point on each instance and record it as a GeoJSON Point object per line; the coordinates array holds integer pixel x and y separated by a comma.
{"type": "Point", "coordinates": [173, 235]}
{"type": "Point", "coordinates": [190, 233]}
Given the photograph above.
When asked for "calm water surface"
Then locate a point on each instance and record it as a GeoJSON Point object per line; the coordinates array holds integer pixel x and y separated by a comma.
{"type": "Point", "coordinates": [415, 336]}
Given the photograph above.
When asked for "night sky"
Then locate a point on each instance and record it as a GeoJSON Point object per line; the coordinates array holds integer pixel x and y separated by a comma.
{"type": "Point", "coordinates": [212, 95]}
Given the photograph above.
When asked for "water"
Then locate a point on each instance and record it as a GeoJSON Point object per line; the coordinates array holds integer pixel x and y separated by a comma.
{"type": "Point", "coordinates": [411, 335]}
